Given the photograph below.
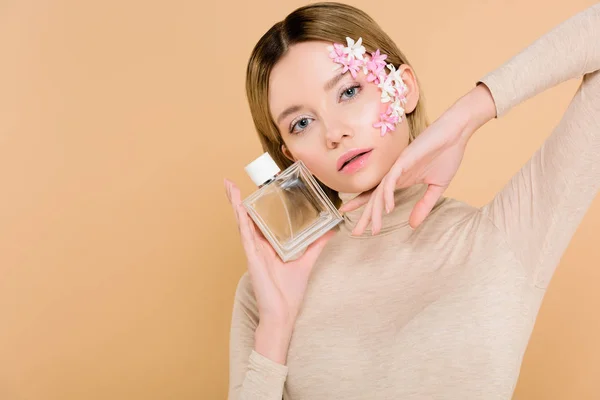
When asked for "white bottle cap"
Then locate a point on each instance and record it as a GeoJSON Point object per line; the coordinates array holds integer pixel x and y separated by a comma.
{"type": "Point", "coordinates": [262, 169]}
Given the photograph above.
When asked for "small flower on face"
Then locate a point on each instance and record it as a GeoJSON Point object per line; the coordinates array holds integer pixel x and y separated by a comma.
{"type": "Point", "coordinates": [336, 51]}
{"type": "Point", "coordinates": [395, 108]}
{"type": "Point", "coordinates": [365, 69]}
{"type": "Point", "coordinates": [353, 65]}
{"type": "Point", "coordinates": [376, 63]}
{"type": "Point", "coordinates": [394, 74]}
{"type": "Point", "coordinates": [373, 78]}
{"type": "Point", "coordinates": [386, 122]}
{"type": "Point", "coordinates": [355, 50]}
{"type": "Point", "coordinates": [388, 91]}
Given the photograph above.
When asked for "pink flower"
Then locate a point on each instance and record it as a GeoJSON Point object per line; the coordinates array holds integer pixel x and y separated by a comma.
{"type": "Point", "coordinates": [387, 122]}
{"type": "Point", "coordinates": [353, 65]}
{"type": "Point", "coordinates": [376, 63]}
{"type": "Point", "coordinates": [377, 78]}
{"type": "Point", "coordinates": [373, 78]}
{"type": "Point", "coordinates": [336, 52]}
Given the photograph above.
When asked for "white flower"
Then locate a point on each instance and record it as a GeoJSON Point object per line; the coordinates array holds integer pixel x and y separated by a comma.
{"type": "Point", "coordinates": [355, 50]}
{"type": "Point", "coordinates": [397, 108]}
{"type": "Point", "coordinates": [394, 74]}
{"type": "Point", "coordinates": [365, 68]}
{"type": "Point", "coordinates": [386, 98]}
{"type": "Point", "coordinates": [388, 91]}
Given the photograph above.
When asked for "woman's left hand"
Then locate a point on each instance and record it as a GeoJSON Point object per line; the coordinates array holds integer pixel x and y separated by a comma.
{"type": "Point", "coordinates": [432, 158]}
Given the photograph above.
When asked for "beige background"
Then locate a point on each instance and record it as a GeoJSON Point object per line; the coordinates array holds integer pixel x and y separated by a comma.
{"type": "Point", "coordinates": [119, 255]}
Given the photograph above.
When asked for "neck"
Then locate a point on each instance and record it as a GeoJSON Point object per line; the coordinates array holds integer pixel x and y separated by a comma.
{"type": "Point", "coordinates": [404, 202]}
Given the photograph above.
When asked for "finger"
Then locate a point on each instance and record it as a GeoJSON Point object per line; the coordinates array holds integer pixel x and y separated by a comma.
{"type": "Point", "coordinates": [314, 250]}
{"type": "Point", "coordinates": [245, 225]}
{"type": "Point", "coordinates": [227, 183]}
{"type": "Point", "coordinates": [425, 205]}
{"type": "Point", "coordinates": [389, 187]}
{"type": "Point", "coordinates": [377, 211]}
{"type": "Point", "coordinates": [364, 220]}
{"type": "Point", "coordinates": [265, 245]}
{"type": "Point", "coordinates": [356, 202]}
{"type": "Point", "coordinates": [246, 231]}
{"type": "Point", "coordinates": [233, 195]}
{"type": "Point", "coordinates": [258, 238]}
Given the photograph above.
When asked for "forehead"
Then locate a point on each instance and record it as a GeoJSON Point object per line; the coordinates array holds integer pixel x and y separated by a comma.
{"type": "Point", "coordinates": [302, 71]}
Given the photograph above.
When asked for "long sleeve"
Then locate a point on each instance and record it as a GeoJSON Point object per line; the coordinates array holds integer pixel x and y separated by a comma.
{"type": "Point", "coordinates": [251, 375]}
{"type": "Point", "coordinates": [541, 206]}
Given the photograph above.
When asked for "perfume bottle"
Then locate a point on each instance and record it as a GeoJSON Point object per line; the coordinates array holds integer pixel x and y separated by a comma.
{"type": "Point", "coordinates": [289, 208]}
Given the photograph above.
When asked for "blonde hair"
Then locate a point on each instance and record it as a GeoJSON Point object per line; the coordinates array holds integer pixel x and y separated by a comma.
{"type": "Point", "coordinates": [330, 22]}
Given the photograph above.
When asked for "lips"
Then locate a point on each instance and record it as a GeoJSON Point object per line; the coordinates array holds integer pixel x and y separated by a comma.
{"type": "Point", "coordinates": [349, 156]}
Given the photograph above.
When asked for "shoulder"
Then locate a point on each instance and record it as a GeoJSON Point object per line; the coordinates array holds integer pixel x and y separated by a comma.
{"type": "Point", "coordinates": [244, 286]}
{"type": "Point", "coordinates": [451, 210]}
{"type": "Point", "coordinates": [451, 213]}
{"type": "Point", "coordinates": [244, 292]}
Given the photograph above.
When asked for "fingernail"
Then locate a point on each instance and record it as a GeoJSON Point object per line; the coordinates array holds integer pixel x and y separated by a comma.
{"type": "Point", "coordinates": [387, 210]}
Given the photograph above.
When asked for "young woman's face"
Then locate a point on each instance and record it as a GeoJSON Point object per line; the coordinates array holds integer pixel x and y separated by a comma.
{"type": "Point", "coordinates": [321, 118]}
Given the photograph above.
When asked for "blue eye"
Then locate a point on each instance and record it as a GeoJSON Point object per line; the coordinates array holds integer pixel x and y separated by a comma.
{"type": "Point", "coordinates": [302, 123]}
{"type": "Point", "coordinates": [351, 91]}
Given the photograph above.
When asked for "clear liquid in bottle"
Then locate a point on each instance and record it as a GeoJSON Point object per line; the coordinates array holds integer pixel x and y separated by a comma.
{"type": "Point", "coordinates": [289, 208]}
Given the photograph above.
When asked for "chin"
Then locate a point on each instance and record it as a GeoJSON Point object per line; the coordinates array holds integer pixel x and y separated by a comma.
{"type": "Point", "coordinates": [359, 182]}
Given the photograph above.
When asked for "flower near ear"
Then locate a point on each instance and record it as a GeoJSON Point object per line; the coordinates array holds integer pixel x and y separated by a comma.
{"type": "Point", "coordinates": [353, 58]}
{"type": "Point", "coordinates": [388, 90]}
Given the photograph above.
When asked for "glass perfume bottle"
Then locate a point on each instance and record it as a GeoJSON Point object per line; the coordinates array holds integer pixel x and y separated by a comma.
{"type": "Point", "coordinates": [289, 208]}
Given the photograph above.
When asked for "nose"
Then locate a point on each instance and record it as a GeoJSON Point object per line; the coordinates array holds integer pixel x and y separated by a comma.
{"type": "Point", "coordinates": [335, 132]}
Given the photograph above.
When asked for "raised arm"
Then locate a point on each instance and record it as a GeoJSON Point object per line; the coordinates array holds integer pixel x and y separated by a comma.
{"type": "Point", "coordinates": [542, 205]}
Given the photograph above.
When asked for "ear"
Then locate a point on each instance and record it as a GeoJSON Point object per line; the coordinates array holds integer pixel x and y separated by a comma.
{"type": "Point", "coordinates": [410, 79]}
{"type": "Point", "coordinates": [287, 153]}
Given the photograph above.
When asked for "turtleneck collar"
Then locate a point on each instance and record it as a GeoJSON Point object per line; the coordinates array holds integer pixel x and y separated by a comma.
{"type": "Point", "coordinates": [404, 200]}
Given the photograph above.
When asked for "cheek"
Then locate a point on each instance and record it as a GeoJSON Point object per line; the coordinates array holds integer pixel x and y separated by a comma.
{"type": "Point", "coordinates": [313, 161]}
{"type": "Point", "coordinates": [371, 108]}
{"type": "Point", "coordinates": [315, 158]}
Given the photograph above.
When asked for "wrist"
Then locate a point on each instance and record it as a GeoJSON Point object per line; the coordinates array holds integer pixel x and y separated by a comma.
{"type": "Point", "coordinates": [272, 340]}
{"type": "Point", "coordinates": [477, 108]}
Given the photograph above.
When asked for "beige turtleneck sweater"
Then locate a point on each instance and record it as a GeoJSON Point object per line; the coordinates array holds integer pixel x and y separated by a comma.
{"type": "Point", "coordinates": [445, 311]}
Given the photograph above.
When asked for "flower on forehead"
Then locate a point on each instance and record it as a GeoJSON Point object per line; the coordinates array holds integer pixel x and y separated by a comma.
{"type": "Point", "coordinates": [354, 50]}
{"type": "Point", "coordinates": [353, 65]}
{"type": "Point", "coordinates": [336, 51]}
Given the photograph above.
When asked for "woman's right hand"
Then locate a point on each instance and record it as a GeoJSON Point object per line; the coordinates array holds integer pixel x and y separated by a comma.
{"type": "Point", "coordinates": [278, 287]}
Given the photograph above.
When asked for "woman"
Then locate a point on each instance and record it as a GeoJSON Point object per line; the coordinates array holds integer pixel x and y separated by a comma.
{"type": "Point", "coordinates": [415, 296]}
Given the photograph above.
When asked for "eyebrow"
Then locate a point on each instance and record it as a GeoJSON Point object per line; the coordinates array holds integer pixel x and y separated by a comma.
{"type": "Point", "coordinates": [332, 82]}
{"type": "Point", "coordinates": [328, 86]}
